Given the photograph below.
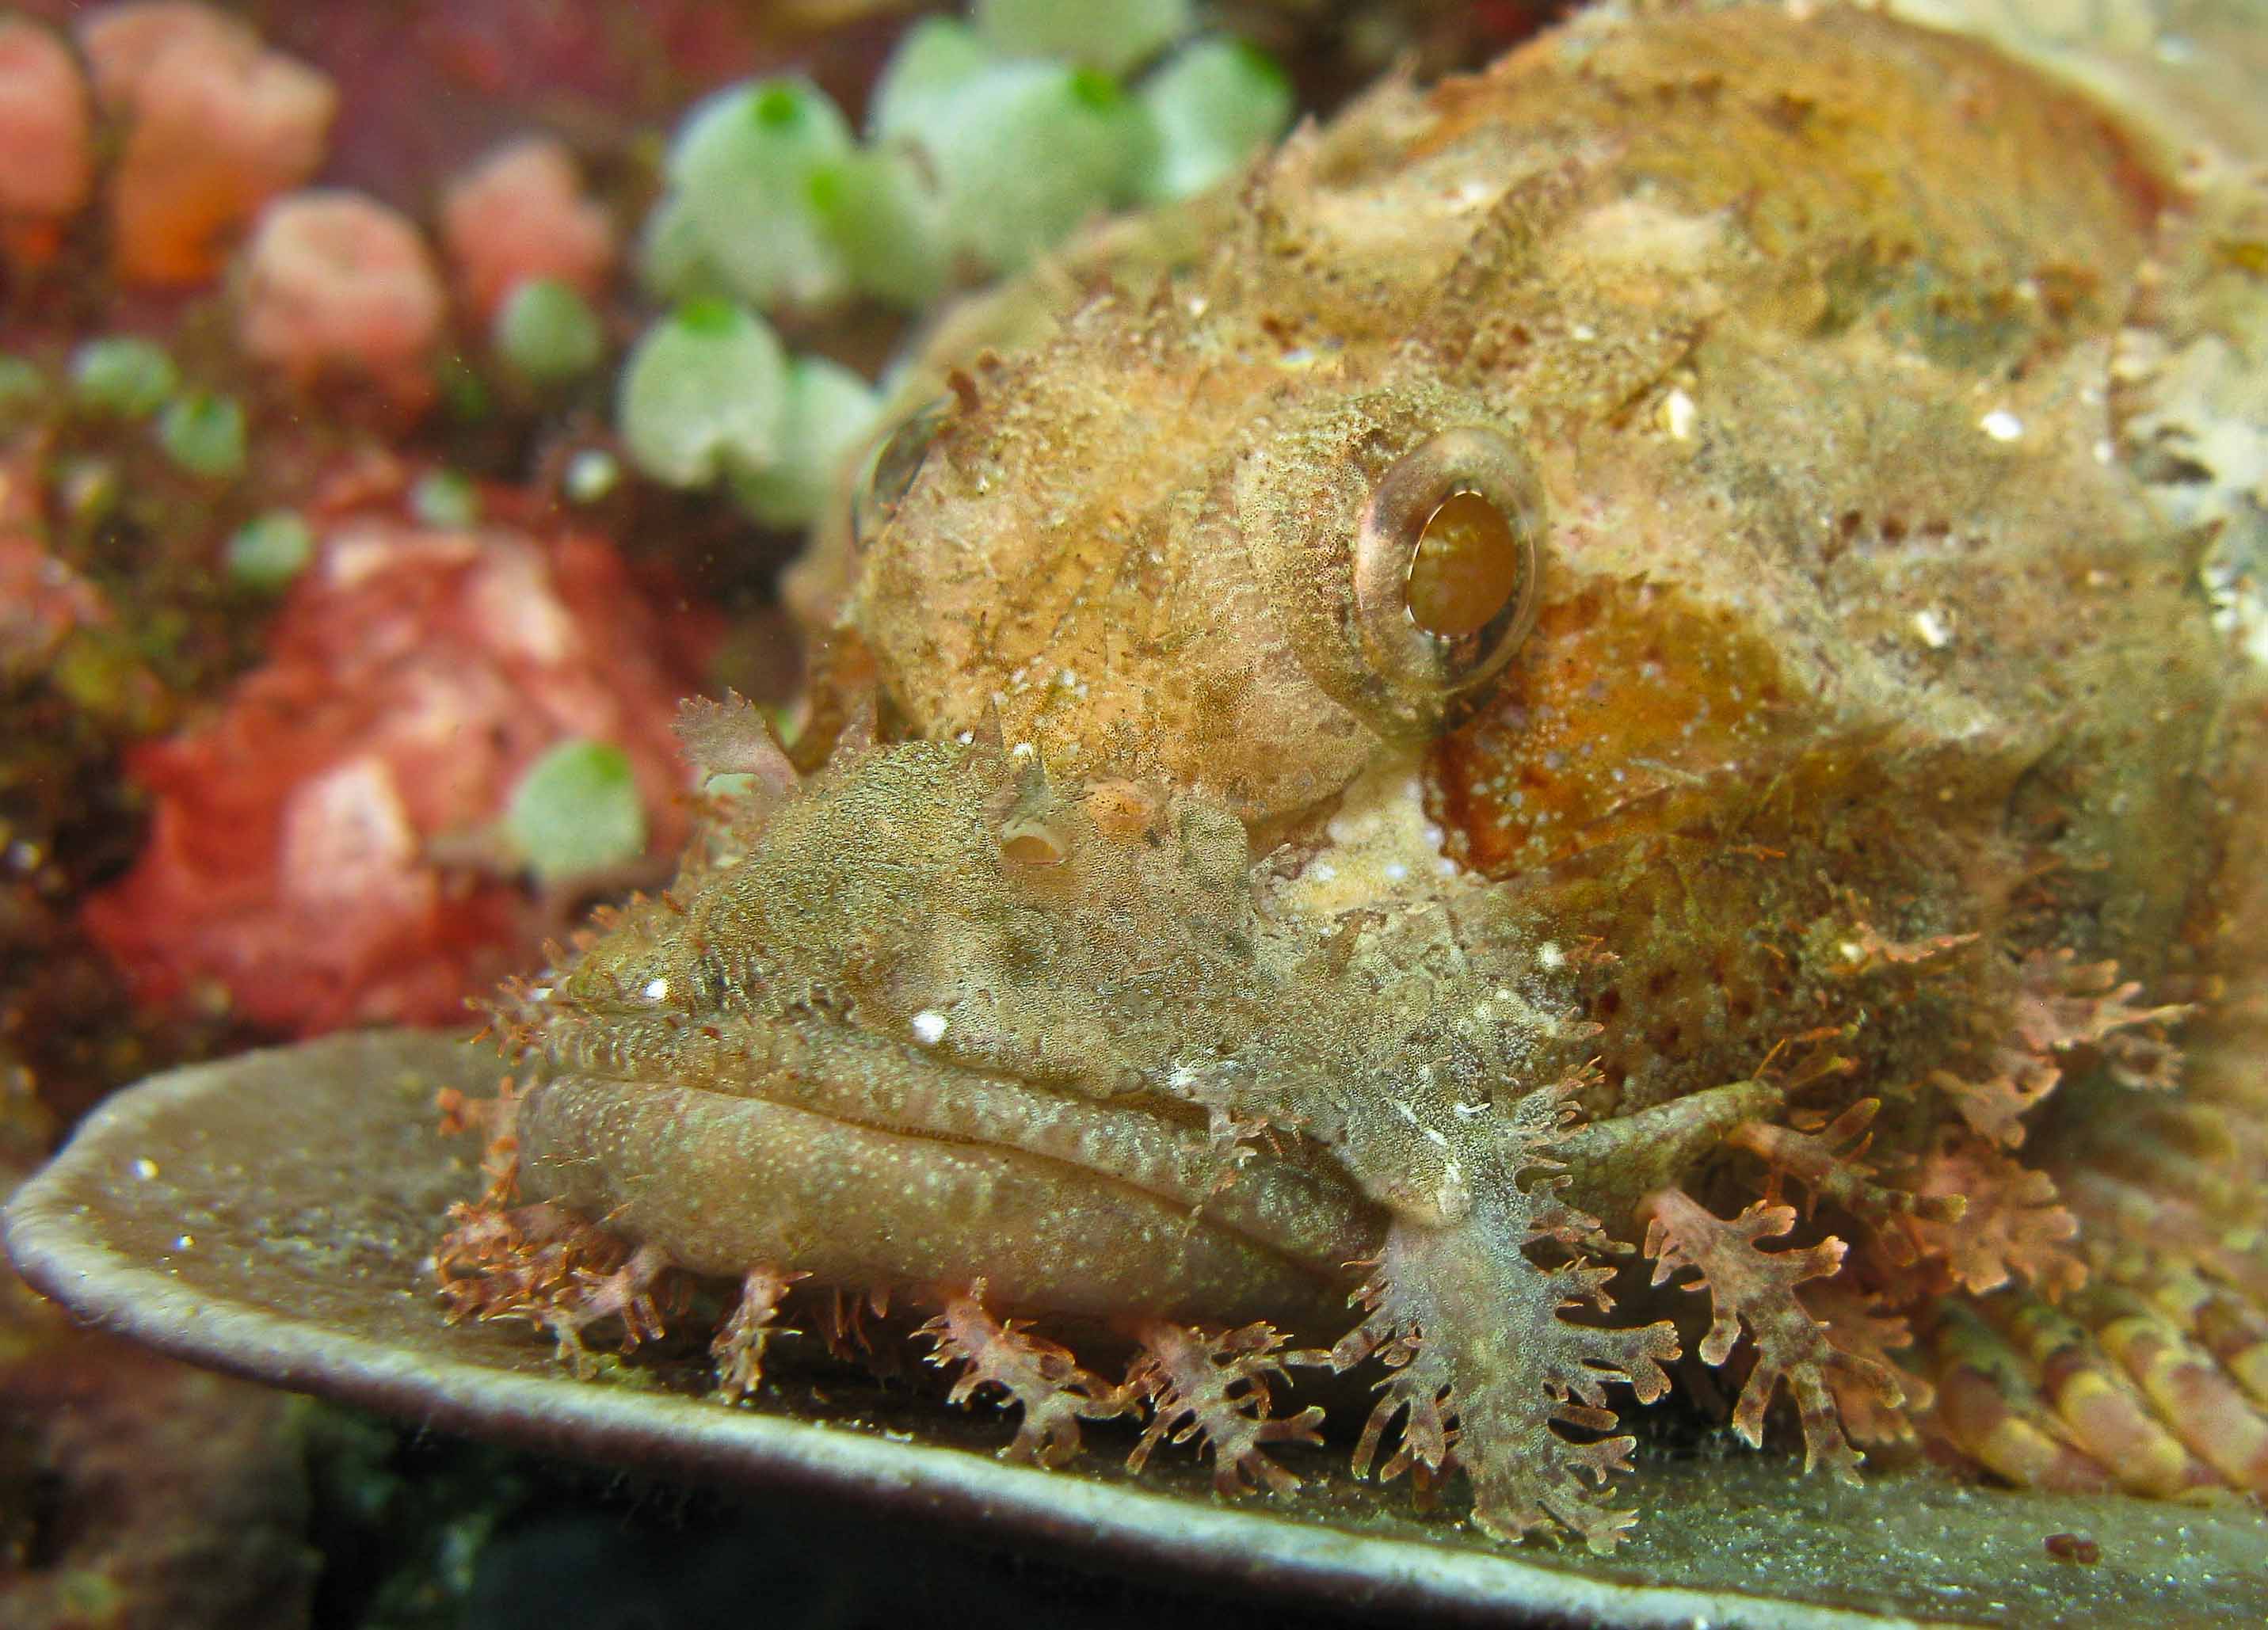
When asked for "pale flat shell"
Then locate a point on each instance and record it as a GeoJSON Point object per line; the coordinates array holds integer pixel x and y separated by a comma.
{"type": "Point", "coordinates": [273, 1216]}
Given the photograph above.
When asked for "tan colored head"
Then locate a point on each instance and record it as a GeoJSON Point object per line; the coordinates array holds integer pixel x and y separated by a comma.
{"type": "Point", "coordinates": [1468, 359]}
{"type": "Point", "coordinates": [1215, 583]}
{"type": "Point", "coordinates": [1181, 538]}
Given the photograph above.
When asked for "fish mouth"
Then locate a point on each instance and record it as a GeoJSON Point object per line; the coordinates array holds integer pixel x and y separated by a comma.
{"type": "Point", "coordinates": [817, 1145]}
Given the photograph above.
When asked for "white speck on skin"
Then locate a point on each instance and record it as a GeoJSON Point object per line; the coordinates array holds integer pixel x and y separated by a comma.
{"type": "Point", "coordinates": [1021, 750]}
{"type": "Point", "coordinates": [1931, 628]}
{"type": "Point", "coordinates": [2238, 609]}
{"type": "Point", "coordinates": [1678, 414]}
{"type": "Point", "coordinates": [1548, 955]}
{"type": "Point", "coordinates": [1583, 332]}
{"type": "Point", "coordinates": [1852, 951]}
{"type": "Point", "coordinates": [145, 1169]}
{"type": "Point", "coordinates": [2001, 425]}
{"type": "Point", "coordinates": [1380, 839]}
{"type": "Point", "coordinates": [657, 990]}
{"type": "Point", "coordinates": [929, 1027]}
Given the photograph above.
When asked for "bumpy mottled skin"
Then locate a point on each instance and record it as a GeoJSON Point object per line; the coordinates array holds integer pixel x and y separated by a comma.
{"type": "Point", "coordinates": [1186, 942]}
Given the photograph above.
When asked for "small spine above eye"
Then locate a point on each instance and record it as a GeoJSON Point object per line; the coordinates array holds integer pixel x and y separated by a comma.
{"type": "Point", "coordinates": [1447, 564]}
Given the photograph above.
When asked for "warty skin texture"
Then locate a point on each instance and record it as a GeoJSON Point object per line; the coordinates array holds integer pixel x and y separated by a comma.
{"type": "Point", "coordinates": [1174, 938]}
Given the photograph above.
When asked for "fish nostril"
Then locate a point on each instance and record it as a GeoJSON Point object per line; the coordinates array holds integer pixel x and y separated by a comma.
{"type": "Point", "coordinates": [1028, 842]}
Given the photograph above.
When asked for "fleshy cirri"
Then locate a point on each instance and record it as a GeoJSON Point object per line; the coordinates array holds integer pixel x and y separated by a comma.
{"type": "Point", "coordinates": [1596, 734]}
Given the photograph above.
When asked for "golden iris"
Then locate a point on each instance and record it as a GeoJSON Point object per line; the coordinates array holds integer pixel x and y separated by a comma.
{"type": "Point", "coordinates": [1467, 565]}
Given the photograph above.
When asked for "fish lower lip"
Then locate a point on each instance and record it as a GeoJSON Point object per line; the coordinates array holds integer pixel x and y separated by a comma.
{"type": "Point", "coordinates": [720, 1183]}
{"type": "Point", "coordinates": [1292, 1202]}
{"type": "Point", "coordinates": [903, 1118]}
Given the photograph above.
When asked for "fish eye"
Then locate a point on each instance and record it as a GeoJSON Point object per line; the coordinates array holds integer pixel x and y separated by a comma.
{"type": "Point", "coordinates": [891, 469]}
{"type": "Point", "coordinates": [1448, 563]}
{"type": "Point", "coordinates": [1468, 565]}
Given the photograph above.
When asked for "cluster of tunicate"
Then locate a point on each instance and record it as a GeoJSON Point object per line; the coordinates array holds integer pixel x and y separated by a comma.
{"type": "Point", "coordinates": [532, 252]}
{"type": "Point", "coordinates": [130, 380]}
{"type": "Point", "coordinates": [987, 142]}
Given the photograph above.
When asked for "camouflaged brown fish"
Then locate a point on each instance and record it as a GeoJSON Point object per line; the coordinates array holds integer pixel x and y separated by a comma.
{"type": "Point", "coordinates": [1615, 686]}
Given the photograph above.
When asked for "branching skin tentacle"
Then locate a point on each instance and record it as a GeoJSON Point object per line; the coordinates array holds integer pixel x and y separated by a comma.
{"type": "Point", "coordinates": [749, 1331]}
{"type": "Point", "coordinates": [1484, 1367]}
{"type": "Point", "coordinates": [1215, 1387]}
{"type": "Point", "coordinates": [1751, 1287]}
{"type": "Point", "coordinates": [1037, 1377]}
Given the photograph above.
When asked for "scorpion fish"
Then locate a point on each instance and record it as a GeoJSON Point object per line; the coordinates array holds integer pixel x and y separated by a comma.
{"type": "Point", "coordinates": [1616, 737]}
